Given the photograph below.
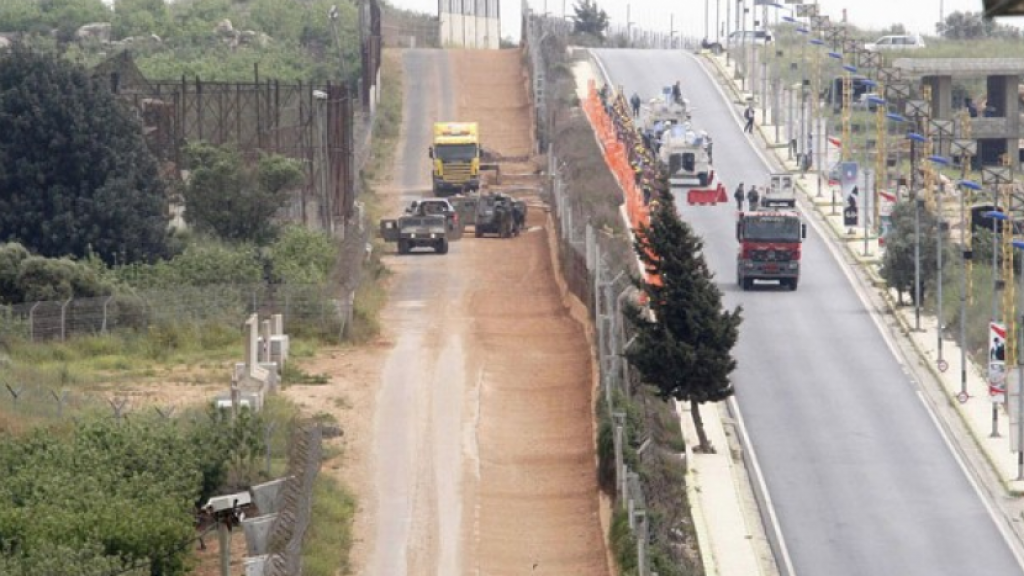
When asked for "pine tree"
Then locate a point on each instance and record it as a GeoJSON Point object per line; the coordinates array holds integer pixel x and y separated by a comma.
{"type": "Point", "coordinates": [684, 344]}
{"type": "Point", "coordinates": [589, 18]}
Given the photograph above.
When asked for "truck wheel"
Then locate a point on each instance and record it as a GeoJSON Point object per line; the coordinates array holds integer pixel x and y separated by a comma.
{"type": "Point", "coordinates": [793, 283]}
{"type": "Point", "coordinates": [748, 284]}
{"type": "Point", "coordinates": [478, 233]}
{"type": "Point", "coordinates": [403, 246]}
{"type": "Point", "coordinates": [442, 247]}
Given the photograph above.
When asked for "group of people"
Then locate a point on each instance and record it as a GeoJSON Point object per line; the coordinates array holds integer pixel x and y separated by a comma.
{"type": "Point", "coordinates": [752, 195]}
{"type": "Point", "coordinates": [641, 155]}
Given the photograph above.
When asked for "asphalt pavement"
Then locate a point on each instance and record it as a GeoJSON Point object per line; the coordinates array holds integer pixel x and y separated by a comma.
{"type": "Point", "coordinates": [854, 469]}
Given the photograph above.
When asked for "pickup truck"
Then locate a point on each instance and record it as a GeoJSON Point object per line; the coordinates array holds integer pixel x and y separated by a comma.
{"type": "Point", "coordinates": [439, 206]}
{"type": "Point", "coordinates": [412, 231]}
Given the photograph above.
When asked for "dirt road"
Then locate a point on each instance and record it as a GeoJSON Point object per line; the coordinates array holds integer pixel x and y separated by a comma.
{"type": "Point", "coordinates": [482, 443]}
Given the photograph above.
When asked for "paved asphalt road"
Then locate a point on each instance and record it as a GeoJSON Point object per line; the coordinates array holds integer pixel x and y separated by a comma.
{"type": "Point", "coordinates": [861, 478]}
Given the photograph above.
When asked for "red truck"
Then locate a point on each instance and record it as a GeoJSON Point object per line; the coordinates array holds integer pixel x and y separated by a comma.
{"type": "Point", "coordinates": [769, 247]}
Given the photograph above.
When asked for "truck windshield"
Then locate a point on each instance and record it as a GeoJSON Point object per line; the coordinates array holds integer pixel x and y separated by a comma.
{"type": "Point", "coordinates": [456, 152]}
{"type": "Point", "coordinates": [771, 228]}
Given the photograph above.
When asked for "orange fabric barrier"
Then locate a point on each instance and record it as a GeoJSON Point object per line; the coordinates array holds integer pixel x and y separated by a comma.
{"type": "Point", "coordinates": [617, 159]}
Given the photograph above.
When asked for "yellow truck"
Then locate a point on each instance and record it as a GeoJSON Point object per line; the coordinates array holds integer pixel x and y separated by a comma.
{"type": "Point", "coordinates": [456, 157]}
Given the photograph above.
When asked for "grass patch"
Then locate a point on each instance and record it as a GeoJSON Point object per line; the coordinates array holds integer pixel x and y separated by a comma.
{"type": "Point", "coordinates": [326, 548]}
{"type": "Point", "coordinates": [370, 298]}
{"type": "Point", "coordinates": [294, 375]}
{"type": "Point", "coordinates": [623, 543]}
{"type": "Point", "coordinates": [388, 122]}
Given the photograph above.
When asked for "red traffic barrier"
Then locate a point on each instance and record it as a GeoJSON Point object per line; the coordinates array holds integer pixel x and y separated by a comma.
{"type": "Point", "coordinates": [704, 197]}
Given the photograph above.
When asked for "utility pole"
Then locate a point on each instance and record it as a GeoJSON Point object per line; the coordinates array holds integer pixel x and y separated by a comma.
{"type": "Point", "coordinates": [707, 18]}
{"type": "Point", "coordinates": [718, 20]}
{"type": "Point", "coordinates": [966, 148]}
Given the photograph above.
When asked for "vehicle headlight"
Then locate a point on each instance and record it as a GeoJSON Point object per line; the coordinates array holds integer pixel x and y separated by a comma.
{"type": "Point", "coordinates": [433, 235]}
{"type": "Point", "coordinates": [794, 265]}
{"type": "Point", "coordinates": [748, 264]}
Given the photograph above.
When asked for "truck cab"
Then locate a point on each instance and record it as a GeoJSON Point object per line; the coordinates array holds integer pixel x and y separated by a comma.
{"type": "Point", "coordinates": [455, 158]}
{"type": "Point", "coordinates": [769, 247]}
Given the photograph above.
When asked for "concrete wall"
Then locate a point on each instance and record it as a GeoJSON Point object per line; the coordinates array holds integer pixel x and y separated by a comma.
{"type": "Point", "coordinates": [470, 23]}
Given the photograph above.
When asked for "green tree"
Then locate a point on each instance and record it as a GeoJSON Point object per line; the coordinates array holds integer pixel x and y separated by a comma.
{"type": "Point", "coordinates": [589, 18]}
{"type": "Point", "coordinates": [684, 346]}
{"type": "Point", "coordinates": [140, 17]}
{"type": "Point", "coordinates": [19, 15]}
{"type": "Point", "coordinates": [971, 25]}
{"type": "Point", "coordinates": [898, 263]}
{"type": "Point", "coordinates": [75, 174]}
{"type": "Point", "coordinates": [234, 201]}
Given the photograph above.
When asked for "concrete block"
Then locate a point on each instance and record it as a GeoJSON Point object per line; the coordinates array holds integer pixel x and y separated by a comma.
{"type": "Point", "coordinates": [279, 349]}
{"type": "Point", "coordinates": [257, 533]}
{"type": "Point", "coordinates": [254, 565]}
{"type": "Point", "coordinates": [267, 496]}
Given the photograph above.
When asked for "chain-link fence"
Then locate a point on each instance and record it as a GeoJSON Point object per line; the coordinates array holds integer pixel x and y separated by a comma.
{"type": "Point", "coordinates": [586, 259]}
{"type": "Point", "coordinates": [323, 307]}
{"type": "Point", "coordinates": [642, 462]}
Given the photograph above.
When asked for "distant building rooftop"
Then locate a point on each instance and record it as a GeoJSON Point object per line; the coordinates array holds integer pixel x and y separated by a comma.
{"type": "Point", "coordinates": [960, 66]}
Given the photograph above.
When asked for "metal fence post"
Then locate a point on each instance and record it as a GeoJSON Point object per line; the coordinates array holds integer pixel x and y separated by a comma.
{"type": "Point", "coordinates": [106, 303]}
{"type": "Point", "coordinates": [32, 322]}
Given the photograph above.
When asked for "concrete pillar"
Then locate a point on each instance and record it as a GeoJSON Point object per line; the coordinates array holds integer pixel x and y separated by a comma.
{"type": "Point", "coordinates": [1011, 103]}
{"type": "Point", "coordinates": [942, 96]}
{"type": "Point", "coordinates": [265, 332]}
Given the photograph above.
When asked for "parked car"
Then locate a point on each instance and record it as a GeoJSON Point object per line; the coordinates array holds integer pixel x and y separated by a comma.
{"type": "Point", "coordinates": [748, 37]}
{"type": "Point", "coordinates": [863, 102]}
{"type": "Point", "coordinates": [901, 42]}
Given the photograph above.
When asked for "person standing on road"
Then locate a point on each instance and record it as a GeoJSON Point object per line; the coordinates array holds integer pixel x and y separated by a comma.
{"type": "Point", "coordinates": [748, 114]}
{"type": "Point", "coordinates": [753, 197]}
{"type": "Point", "coordinates": [738, 195]}
{"type": "Point", "coordinates": [635, 103]}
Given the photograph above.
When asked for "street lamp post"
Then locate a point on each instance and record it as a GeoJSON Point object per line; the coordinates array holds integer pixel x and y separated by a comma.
{"type": "Point", "coordinates": [1020, 377]}
{"type": "Point", "coordinates": [941, 161]}
{"type": "Point", "coordinates": [966, 255]}
{"type": "Point", "coordinates": [916, 138]}
{"type": "Point", "coordinates": [817, 128]}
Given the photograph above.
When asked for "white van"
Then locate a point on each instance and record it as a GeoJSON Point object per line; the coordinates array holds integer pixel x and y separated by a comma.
{"type": "Point", "coordinates": [748, 37]}
{"type": "Point", "coordinates": [895, 43]}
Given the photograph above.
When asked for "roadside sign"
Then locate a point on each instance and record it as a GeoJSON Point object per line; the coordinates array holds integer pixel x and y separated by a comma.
{"type": "Point", "coordinates": [848, 181]}
{"type": "Point", "coordinates": [997, 361]}
{"type": "Point", "coordinates": [943, 365]}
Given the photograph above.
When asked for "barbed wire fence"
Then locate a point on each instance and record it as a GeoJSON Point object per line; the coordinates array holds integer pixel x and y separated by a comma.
{"type": "Point", "coordinates": [295, 513]}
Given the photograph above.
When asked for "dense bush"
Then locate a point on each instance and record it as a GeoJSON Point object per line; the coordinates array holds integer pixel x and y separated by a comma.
{"type": "Point", "coordinates": [24, 277]}
{"type": "Point", "coordinates": [302, 256]}
{"type": "Point", "coordinates": [57, 279]}
{"type": "Point", "coordinates": [37, 16]}
{"type": "Point", "coordinates": [232, 200]}
{"type": "Point", "coordinates": [105, 493]}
